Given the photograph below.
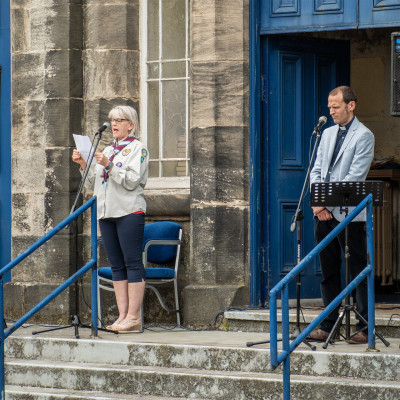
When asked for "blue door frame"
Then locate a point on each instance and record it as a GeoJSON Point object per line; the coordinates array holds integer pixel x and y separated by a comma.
{"type": "Point", "coordinates": [273, 17]}
{"type": "Point", "coordinates": [299, 74]}
{"type": "Point", "coordinates": [5, 133]}
{"type": "Point", "coordinates": [256, 249]}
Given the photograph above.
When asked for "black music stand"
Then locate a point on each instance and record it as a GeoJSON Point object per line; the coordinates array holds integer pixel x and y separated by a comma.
{"type": "Point", "coordinates": [345, 194]}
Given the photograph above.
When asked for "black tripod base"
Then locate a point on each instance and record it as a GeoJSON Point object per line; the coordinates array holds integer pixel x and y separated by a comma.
{"type": "Point", "coordinates": [294, 335]}
{"type": "Point", "coordinates": [336, 328]}
{"type": "Point", "coordinates": [75, 323]}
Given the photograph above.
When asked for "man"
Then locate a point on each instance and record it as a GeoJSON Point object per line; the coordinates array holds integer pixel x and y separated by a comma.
{"type": "Point", "coordinates": [344, 154]}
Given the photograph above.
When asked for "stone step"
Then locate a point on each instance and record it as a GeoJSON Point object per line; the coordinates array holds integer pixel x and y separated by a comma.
{"type": "Point", "coordinates": [338, 360]}
{"type": "Point", "coordinates": [387, 319]}
{"type": "Point", "coordinates": [34, 393]}
{"type": "Point", "coordinates": [182, 382]}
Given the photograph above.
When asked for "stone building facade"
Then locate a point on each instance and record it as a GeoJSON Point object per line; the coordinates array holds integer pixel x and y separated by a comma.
{"type": "Point", "coordinates": [72, 61]}
{"type": "Point", "coordinates": [190, 67]}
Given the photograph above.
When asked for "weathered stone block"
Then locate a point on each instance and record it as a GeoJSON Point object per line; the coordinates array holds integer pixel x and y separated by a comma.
{"type": "Point", "coordinates": [58, 161]}
{"type": "Point", "coordinates": [219, 94]}
{"type": "Point", "coordinates": [112, 26]}
{"type": "Point", "coordinates": [13, 304]}
{"type": "Point", "coordinates": [203, 246]}
{"type": "Point", "coordinates": [28, 169]}
{"type": "Point", "coordinates": [226, 23]}
{"type": "Point", "coordinates": [219, 244]}
{"type": "Point", "coordinates": [57, 311]}
{"type": "Point", "coordinates": [27, 120]}
{"type": "Point", "coordinates": [223, 184]}
{"type": "Point", "coordinates": [41, 3]}
{"type": "Point", "coordinates": [28, 214]}
{"type": "Point", "coordinates": [202, 303]}
{"type": "Point", "coordinates": [112, 74]}
{"type": "Point", "coordinates": [63, 73]}
{"type": "Point", "coordinates": [52, 260]}
{"type": "Point", "coordinates": [167, 202]}
{"type": "Point", "coordinates": [219, 164]}
{"type": "Point", "coordinates": [62, 118]}
{"type": "Point", "coordinates": [20, 29]}
{"type": "Point", "coordinates": [27, 85]}
{"type": "Point", "coordinates": [56, 25]}
{"type": "Point", "coordinates": [57, 208]}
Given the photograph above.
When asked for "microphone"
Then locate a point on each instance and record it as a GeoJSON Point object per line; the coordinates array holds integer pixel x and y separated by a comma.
{"type": "Point", "coordinates": [104, 127]}
{"type": "Point", "coordinates": [322, 121]}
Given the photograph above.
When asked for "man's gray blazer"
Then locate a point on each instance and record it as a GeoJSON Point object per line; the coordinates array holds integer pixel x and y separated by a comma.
{"type": "Point", "coordinates": [352, 162]}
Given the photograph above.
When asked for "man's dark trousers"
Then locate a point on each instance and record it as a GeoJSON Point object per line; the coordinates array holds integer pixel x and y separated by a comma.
{"type": "Point", "coordinates": [330, 261]}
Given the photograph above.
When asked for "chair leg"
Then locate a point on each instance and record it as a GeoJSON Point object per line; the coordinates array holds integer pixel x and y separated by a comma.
{"type": "Point", "coordinates": [178, 313]}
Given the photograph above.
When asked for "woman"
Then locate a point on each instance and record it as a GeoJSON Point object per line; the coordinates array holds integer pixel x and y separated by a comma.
{"type": "Point", "coordinates": [118, 179]}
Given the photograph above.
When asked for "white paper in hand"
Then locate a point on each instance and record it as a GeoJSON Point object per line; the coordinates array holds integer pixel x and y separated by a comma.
{"type": "Point", "coordinates": [84, 146]}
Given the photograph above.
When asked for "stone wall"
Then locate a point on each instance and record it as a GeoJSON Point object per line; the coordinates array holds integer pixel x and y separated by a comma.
{"type": "Point", "coordinates": [47, 106]}
{"type": "Point", "coordinates": [219, 255]}
{"type": "Point", "coordinates": [73, 60]}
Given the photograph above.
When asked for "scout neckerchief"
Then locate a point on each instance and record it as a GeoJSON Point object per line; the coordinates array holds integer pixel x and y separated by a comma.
{"type": "Point", "coordinates": [117, 147]}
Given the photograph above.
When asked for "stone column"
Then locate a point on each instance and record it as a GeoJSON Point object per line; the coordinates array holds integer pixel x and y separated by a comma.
{"type": "Point", "coordinates": [219, 143]}
{"type": "Point", "coordinates": [111, 59]}
{"type": "Point", "coordinates": [46, 110]}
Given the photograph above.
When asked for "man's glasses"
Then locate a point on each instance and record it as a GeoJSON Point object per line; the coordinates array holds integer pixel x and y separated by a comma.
{"type": "Point", "coordinates": [118, 120]}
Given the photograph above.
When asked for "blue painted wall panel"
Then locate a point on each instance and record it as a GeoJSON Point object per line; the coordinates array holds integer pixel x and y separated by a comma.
{"type": "Point", "coordinates": [381, 13]}
{"type": "Point", "coordinates": [279, 16]}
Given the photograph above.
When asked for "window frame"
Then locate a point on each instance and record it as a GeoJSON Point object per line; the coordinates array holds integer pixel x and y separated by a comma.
{"type": "Point", "coordinates": [177, 182]}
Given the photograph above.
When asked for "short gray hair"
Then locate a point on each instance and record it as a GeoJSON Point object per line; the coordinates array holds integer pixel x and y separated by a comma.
{"type": "Point", "coordinates": [128, 113]}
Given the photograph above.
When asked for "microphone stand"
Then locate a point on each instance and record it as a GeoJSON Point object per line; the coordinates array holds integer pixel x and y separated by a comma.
{"type": "Point", "coordinates": [75, 321]}
{"type": "Point", "coordinates": [296, 223]}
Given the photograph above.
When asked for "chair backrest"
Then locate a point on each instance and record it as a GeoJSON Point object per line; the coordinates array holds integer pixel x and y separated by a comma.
{"type": "Point", "coordinates": [163, 230]}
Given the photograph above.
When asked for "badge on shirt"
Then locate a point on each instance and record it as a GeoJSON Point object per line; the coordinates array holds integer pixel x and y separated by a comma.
{"type": "Point", "coordinates": [145, 153]}
{"type": "Point", "coordinates": [119, 164]}
{"type": "Point", "coordinates": [126, 152]}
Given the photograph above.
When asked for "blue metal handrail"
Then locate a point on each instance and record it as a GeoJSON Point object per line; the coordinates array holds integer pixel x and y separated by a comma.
{"type": "Point", "coordinates": [283, 287]}
{"type": "Point", "coordinates": [92, 264]}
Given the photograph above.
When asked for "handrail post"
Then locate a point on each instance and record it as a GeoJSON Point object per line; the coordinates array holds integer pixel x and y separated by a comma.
{"type": "Point", "coordinates": [2, 338]}
{"type": "Point", "coordinates": [91, 265]}
{"type": "Point", "coordinates": [93, 235]}
{"type": "Point", "coordinates": [286, 342]}
{"type": "Point", "coordinates": [283, 287]}
{"type": "Point", "coordinates": [370, 277]}
{"type": "Point", "coordinates": [273, 334]}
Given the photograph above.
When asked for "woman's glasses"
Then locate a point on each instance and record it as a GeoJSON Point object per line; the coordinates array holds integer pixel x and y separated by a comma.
{"type": "Point", "coordinates": [118, 120]}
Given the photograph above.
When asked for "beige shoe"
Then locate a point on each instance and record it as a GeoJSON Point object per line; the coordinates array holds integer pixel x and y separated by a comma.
{"type": "Point", "coordinates": [129, 325]}
{"type": "Point", "coordinates": [112, 326]}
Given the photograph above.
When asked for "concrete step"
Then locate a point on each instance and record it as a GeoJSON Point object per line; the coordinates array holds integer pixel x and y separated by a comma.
{"type": "Point", "coordinates": [387, 319]}
{"type": "Point", "coordinates": [338, 360]}
{"type": "Point", "coordinates": [188, 364]}
{"type": "Point", "coordinates": [34, 393]}
{"type": "Point", "coordinates": [190, 383]}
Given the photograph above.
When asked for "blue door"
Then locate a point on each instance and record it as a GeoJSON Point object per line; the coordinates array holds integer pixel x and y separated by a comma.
{"type": "Point", "coordinates": [5, 134]}
{"type": "Point", "coordinates": [298, 74]}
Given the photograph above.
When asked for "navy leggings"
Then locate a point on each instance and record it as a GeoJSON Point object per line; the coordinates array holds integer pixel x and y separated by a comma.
{"type": "Point", "coordinates": [123, 238]}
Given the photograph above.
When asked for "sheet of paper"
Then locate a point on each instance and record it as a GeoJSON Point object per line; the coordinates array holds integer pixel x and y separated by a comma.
{"type": "Point", "coordinates": [84, 145]}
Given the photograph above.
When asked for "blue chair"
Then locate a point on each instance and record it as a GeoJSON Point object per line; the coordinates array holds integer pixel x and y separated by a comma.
{"type": "Point", "coordinates": [162, 248]}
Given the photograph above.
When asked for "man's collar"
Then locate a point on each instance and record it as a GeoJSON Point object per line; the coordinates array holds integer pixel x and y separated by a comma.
{"type": "Point", "coordinates": [347, 126]}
